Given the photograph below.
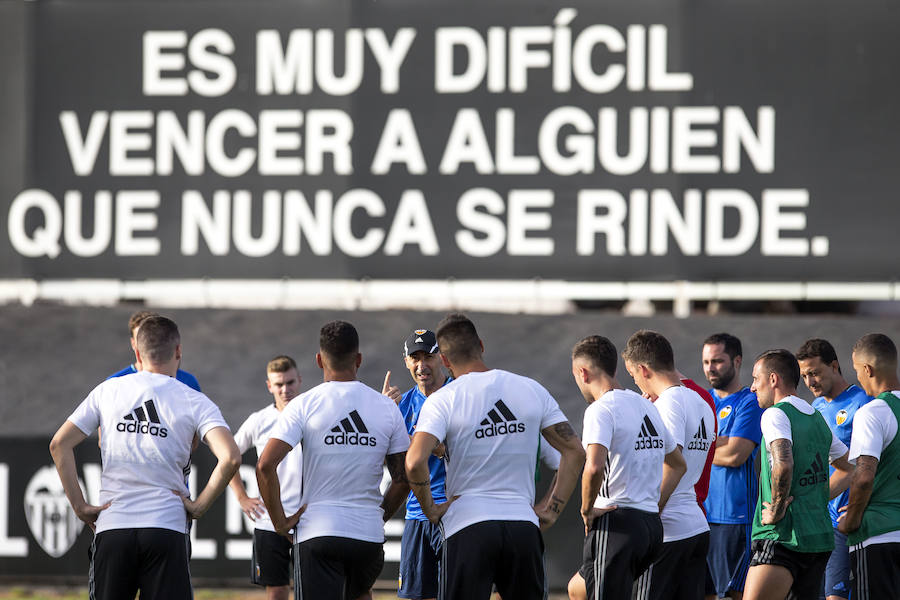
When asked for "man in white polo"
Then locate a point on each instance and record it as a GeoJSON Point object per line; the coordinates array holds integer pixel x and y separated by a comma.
{"type": "Point", "coordinates": [490, 422]}
{"type": "Point", "coordinates": [348, 431]}
{"type": "Point", "coordinates": [149, 420]}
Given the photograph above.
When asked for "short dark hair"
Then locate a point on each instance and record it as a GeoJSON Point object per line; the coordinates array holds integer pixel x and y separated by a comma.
{"type": "Point", "coordinates": [732, 344]}
{"type": "Point", "coordinates": [646, 347]}
{"type": "Point", "coordinates": [782, 363]}
{"type": "Point", "coordinates": [879, 348]}
{"type": "Point", "coordinates": [458, 339]}
{"type": "Point", "coordinates": [339, 341]}
{"type": "Point", "coordinates": [817, 348]}
{"type": "Point", "coordinates": [157, 339]}
{"type": "Point", "coordinates": [599, 352]}
{"type": "Point", "coordinates": [137, 318]}
{"type": "Point", "coordinates": [281, 364]}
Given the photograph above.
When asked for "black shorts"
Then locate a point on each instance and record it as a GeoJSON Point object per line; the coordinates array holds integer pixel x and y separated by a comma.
{"type": "Point", "coordinates": [335, 568]}
{"type": "Point", "coordinates": [806, 568]}
{"type": "Point", "coordinates": [875, 571]}
{"type": "Point", "coordinates": [508, 554]}
{"type": "Point", "coordinates": [678, 574]}
{"type": "Point", "coordinates": [271, 563]}
{"type": "Point", "coordinates": [619, 547]}
{"type": "Point", "coordinates": [152, 560]}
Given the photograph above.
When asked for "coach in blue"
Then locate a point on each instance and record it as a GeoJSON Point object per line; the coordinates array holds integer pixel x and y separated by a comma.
{"type": "Point", "coordinates": [837, 401]}
{"type": "Point", "coordinates": [133, 324]}
{"type": "Point", "coordinates": [420, 546]}
{"type": "Point", "coordinates": [732, 483]}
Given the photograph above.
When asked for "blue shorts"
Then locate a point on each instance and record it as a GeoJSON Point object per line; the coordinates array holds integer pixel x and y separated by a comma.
{"type": "Point", "coordinates": [420, 551]}
{"type": "Point", "coordinates": [837, 571]}
{"type": "Point", "coordinates": [728, 558]}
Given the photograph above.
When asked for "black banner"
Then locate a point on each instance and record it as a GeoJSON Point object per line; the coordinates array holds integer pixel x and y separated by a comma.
{"type": "Point", "coordinates": [506, 140]}
{"type": "Point", "coordinates": [40, 536]}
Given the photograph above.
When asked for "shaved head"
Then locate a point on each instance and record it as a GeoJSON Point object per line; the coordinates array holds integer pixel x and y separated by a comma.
{"type": "Point", "coordinates": [877, 350]}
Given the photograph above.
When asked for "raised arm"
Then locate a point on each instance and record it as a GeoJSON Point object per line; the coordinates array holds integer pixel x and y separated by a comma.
{"type": "Point", "coordinates": [62, 450]}
{"type": "Point", "coordinates": [398, 490]}
{"type": "Point", "coordinates": [782, 473]}
{"type": "Point", "coordinates": [222, 445]}
{"type": "Point", "coordinates": [562, 437]}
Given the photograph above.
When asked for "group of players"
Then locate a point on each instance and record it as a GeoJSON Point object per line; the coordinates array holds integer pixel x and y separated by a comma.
{"type": "Point", "coordinates": [684, 492]}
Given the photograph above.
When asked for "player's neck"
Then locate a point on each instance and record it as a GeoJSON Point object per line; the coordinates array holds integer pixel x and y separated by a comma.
{"type": "Point", "coordinates": [885, 384]}
{"type": "Point", "coordinates": [329, 375]}
{"type": "Point", "coordinates": [663, 380]}
{"type": "Point", "coordinates": [732, 388]}
{"type": "Point", "coordinates": [840, 386]}
{"type": "Point", "coordinates": [476, 366]}
{"type": "Point", "coordinates": [169, 368]}
{"type": "Point", "coordinates": [603, 386]}
{"type": "Point", "coordinates": [784, 394]}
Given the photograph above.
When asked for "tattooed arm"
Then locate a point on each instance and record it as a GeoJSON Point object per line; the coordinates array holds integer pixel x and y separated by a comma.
{"type": "Point", "coordinates": [860, 493]}
{"type": "Point", "coordinates": [562, 437]}
{"type": "Point", "coordinates": [398, 490]}
{"type": "Point", "coordinates": [782, 473]}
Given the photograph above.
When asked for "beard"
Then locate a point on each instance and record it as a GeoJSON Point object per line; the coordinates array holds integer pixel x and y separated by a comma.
{"type": "Point", "coordinates": [723, 379]}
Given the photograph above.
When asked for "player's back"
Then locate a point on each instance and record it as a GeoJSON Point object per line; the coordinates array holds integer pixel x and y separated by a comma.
{"type": "Point", "coordinates": [636, 448]}
{"type": "Point", "coordinates": [347, 429]}
{"type": "Point", "coordinates": [148, 422]}
{"type": "Point", "coordinates": [491, 423]}
{"type": "Point", "coordinates": [691, 422]}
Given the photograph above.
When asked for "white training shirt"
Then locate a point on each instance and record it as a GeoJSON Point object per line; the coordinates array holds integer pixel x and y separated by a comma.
{"type": "Point", "coordinates": [346, 429]}
{"type": "Point", "coordinates": [490, 422]}
{"type": "Point", "coordinates": [776, 425]}
{"type": "Point", "coordinates": [255, 432]}
{"type": "Point", "coordinates": [692, 425]}
{"type": "Point", "coordinates": [874, 428]}
{"type": "Point", "coordinates": [630, 428]}
{"type": "Point", "coordinates": [148, 422]}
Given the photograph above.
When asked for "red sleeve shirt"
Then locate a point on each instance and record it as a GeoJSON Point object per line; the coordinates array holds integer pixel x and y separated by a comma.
{"type": "Point", "coordinates": [702, 486]}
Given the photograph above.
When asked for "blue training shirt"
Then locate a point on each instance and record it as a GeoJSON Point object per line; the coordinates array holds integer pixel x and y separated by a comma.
{"type": "Point", "coordinates": [839, 415]}
{"type": "Point", "coordinates": [410, 406]}
{"type": "Point", "coordinates": [182, 376]}
{"type": "Point", "coordinates": [733, 490]}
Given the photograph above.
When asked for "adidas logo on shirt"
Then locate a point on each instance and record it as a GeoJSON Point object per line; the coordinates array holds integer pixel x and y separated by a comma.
{"type": "Point", "coordinates": [700, 439]}
{"type": "Point", "coordinates": [815, 473]}
{"type": "Point", "coordinates": [648, 438]}
{"type": "Point", "coordinates": [500, 421]}
{"type": "Point", "coordinates": [348, 432]}
{"type": "Point", "coordinates": [143, 419]}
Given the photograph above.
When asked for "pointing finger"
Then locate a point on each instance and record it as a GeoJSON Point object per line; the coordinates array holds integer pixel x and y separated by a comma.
{"type": "Point", "coordinates": [387, 383]}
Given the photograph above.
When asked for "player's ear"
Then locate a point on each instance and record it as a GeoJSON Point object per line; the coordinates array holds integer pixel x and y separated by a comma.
{"type": "Point", "coordinates": [358, 359]}
{"type": "Point", "coordinates": [444, 360]}
{"type": "Point", "coordinates": [319, 362]}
